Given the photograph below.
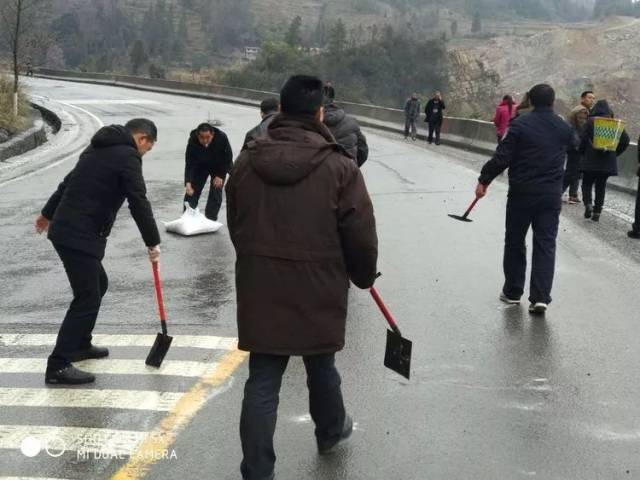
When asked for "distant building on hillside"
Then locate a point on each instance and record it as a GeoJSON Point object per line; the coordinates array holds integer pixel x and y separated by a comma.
{"type": "Point", "coordinates": [251, 53]}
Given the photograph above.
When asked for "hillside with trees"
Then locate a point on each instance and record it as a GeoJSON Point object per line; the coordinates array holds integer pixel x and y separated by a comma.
{"type": "Point", "coordinates": [130, 35]}
{"type": "Point", "coordinates": [376, 51]}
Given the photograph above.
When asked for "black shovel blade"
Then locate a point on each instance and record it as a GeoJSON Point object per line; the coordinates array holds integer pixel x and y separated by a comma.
{"type": "Point", "coordinates": [397, 356]}
{"type": "Point", "coordinates": [159, 350]}
{"type": "Point", "coordinates": [461, 218]}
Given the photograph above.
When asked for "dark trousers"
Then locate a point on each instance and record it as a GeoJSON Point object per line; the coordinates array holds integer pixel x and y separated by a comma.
{"type": "Point", "coordinates": [260, 408]}
{"type": "Point", "coordinates": [214, 202]}
{"type": "Point", "coordinates": [572, 174]}
{"type": "Point", "coordinates": [599, 180]}
{"type": "Point", "coordinates": [542, 213]}
{"type": "Point", "coordinates": [636, 224]}
{"type": "Point", "coordinates": [89, 283]}
{"type": "Point", "coordinates": [434, 128]}
{"type": "Point", "coordinates": [410, 125]}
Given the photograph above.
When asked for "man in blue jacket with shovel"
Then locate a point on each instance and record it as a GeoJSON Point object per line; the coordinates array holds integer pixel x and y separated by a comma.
{"type": "Point", "coordinates": [534, 150]}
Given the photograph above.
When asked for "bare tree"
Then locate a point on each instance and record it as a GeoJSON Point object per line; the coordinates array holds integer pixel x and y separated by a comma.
{"type": "Point", "coordinates": [16, 18]}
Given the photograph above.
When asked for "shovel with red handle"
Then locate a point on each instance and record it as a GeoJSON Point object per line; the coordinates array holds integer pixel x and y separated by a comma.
{"type": "Point", "coordinates": [465, 216]}
{"type": "Point", "coordinates": [397, 356]}
{"type": "Point", "coordinates": [163, 341]}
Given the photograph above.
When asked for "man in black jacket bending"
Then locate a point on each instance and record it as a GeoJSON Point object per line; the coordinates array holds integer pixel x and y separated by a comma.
{"type": "Point", "coordinates": [79, 217]}
{"type": "Point", "coordinates": [208, 155]}
{"type": "Point", "coordinates": [534, 151]}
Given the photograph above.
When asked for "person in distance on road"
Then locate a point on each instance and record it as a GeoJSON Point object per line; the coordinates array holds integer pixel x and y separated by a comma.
{"type": "Point", "coordinates": [346, 131]}
{"type": "Point", "coordinates": [578, 120]}
{"type": "Point", "coordinates": [79, 217]}
{"type": "Point", "coordinates": [598, 165]}
{"type": "Point", "coordinates": [434, 116]}
{"type": "Point", "coordinates": [329, 91]}
{"type": "Point", "coordinates": [269, 108]}
{"type": "Point", "coordinates": [635, 228]}
{"type": "Point", "coordinates": [534, 150]}
{"type": "Point", "coordinates": [208, 155]}
{"type": "Point", "coordinates": [524, 106]}
{"type": "Point", "coordinates": [302, 224]}
{"type": "Point", "coordinates": [411, 115]}
{"type": "Point", "coordinates": [505, 112]}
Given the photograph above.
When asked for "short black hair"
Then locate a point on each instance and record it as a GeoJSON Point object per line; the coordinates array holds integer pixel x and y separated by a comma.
{"type": "Point", "coordinates": [585, 93]}
{"type": "Point", "coordinates": [269, 105]}
{"type": "Point", "coordinates": [302, 95]}
{"type": "Point", "coordinates": [542, 95]}
{"type": "Point", "coordinates": [204, 127]}
{"type": "Point", "coordinates": [143, 126]}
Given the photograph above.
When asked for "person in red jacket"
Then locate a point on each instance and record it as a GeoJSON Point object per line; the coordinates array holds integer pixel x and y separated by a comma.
{"type": "Point", "coordinates": [504, 113]}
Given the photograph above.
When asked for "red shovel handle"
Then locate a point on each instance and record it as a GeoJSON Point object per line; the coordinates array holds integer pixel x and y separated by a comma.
{"type": "Point", "coordinates": [158, 285]}
{"type": "Point", "coordinates": [471, 207]}
{"type": "Point", "coordinates": [385, 311]}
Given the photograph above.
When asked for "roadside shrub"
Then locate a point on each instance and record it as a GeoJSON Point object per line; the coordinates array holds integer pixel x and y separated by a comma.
{"type": "Point", "coordinates": [7, 120]}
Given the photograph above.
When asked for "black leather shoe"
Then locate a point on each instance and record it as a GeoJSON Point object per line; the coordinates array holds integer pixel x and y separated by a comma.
{"type": "Point", "coordinates": [325, 446]}
{"type": "Point", "coordinates": [68, 376]}
{"type": "Point", "coordinates": [634, 234]}
{"type": "Point", "coordinates": [91, 352]}
{"type": "Point", "coordinates": [588, 211]}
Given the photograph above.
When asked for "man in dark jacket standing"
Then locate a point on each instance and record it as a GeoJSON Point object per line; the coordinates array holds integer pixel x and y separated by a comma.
{"type": "Point", "coordinates": [635, 228]}
{"type": "Point", "coordinates": [268, 110]}
{"type": "Point", "coordinates": [302, 224]}
{"type": "Point", "coordinates": [434, 116]}
{"type": "Point", "coordinates": [329, 91]}
{"type": "Point", "coordinates": [346, 131]}
{"type": "Point", "coordinates": [79, 217]}
{"type": "Point", "coordinates": [208, 155]}
{"type": "Point", "coordinates": [534, 150]}
{"type": "Point", "coordinates": [411, 116]}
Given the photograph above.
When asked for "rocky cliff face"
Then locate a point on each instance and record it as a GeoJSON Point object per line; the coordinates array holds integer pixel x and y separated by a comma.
{"type": "Point", "coordinates": [473, 85]}
{"type": "Point", "coordinates": [603, 57]}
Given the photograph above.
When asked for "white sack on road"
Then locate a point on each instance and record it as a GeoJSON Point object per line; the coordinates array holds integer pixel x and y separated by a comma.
{"type": "Point", "coordinates": [192, 222]}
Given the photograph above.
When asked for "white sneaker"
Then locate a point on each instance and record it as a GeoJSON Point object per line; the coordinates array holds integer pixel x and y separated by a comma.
{"type": "Point", "coordinates": [509, 301]}
{"type": "Point", "coordinates": [538, 308]}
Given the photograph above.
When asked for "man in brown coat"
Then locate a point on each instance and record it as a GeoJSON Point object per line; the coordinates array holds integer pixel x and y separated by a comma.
{"type": "Point", "coordinates": [302, 224]}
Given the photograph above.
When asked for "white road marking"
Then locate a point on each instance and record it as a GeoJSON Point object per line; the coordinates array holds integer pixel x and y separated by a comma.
{"type": "Point", "coordinates": [97, 101]}
{"type": "Point", "coordinates": [73, 439]}
{"type": "Point", "coordinates": [38, 171]}
{"type": "Point", "coordinates": [86, 398]}
{"type": "Point", "coordinates": [114, 367]}
{"type": "Point", "coordinates": [186, 341]}
{"type": "Point", "coordinates": [95, 117]}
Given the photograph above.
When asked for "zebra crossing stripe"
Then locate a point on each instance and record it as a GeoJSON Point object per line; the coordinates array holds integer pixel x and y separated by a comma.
{"type": "Point", "coordinates": [73, 439]}
{"type": "Point", "coordinates": [112, 367]}
{"type": "Point", "coordinates": [88, 398]}
{"type": "Point", "coordinates": [186, 341]}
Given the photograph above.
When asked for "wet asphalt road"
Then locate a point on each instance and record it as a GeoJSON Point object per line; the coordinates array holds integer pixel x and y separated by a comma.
{"type": "Point", "coordinates": [495, 394]}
